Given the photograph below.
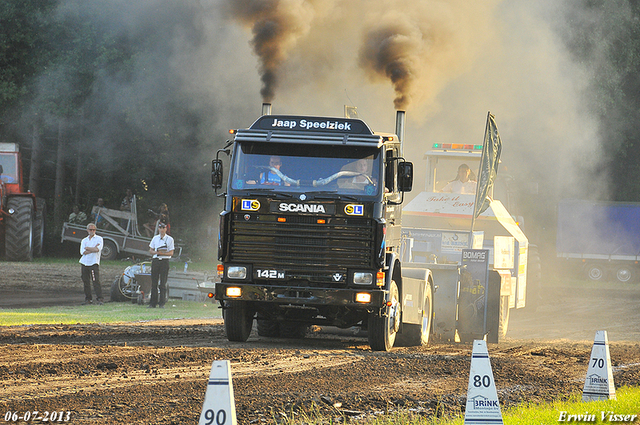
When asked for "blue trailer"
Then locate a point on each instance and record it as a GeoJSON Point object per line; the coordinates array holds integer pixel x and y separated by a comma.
{"type": "Point", "coordinates": [602, 237]}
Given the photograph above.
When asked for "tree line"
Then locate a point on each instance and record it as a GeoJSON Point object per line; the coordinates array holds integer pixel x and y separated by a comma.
{"type": "Point", "coordinates": [92, 94]}
{"type": "Point", "coordinates": [88, 92]}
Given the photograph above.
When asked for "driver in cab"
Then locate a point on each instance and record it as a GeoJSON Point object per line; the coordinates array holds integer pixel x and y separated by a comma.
{"type": "Point", "coordinates": [465, 181]}
{"type": "Point", "coordinates": [270, 177]}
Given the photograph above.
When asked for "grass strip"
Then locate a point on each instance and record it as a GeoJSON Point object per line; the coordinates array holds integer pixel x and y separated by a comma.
{"type": "Point", "coordinates": [110, 312]}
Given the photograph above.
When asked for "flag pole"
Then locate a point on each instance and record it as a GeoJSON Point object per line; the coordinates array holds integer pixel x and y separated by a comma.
{"type": "Point", "coordinates": [482, 160]}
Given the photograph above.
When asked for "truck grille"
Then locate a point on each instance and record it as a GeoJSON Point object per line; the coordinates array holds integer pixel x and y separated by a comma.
{"type": "Point", "coordinates": [301, 247]}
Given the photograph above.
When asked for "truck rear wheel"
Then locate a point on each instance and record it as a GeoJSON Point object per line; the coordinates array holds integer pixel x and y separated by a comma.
{"type": "Point", "coordinates": [383, 329]}
{"type": "Point", "coordinates": [19, 229]}
{"type": "Point", "coordinates": [238, 320]}
{"type": "Point", "coordinates": [418, 335]}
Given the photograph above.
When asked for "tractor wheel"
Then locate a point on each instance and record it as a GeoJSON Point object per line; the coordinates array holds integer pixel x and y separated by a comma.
{"type": "Point", "coordinates": [268, 328]}
{"type": "Point", "coordinates": [109, 251]}
{"type": "Point", "coordinates": [19, 229]}
{"type": "Point", "coordinates": [383, 329]}
{"type": "Point", "coordinates": [238, 320]}
{"type": "Point", "coordinates": [417, 335]}
{"type": "Point", "coordinates": [39, 226]}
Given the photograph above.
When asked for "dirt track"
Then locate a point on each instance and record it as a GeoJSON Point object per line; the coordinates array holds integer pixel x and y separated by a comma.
{"type": "Point", "coordinates": [156, 372]}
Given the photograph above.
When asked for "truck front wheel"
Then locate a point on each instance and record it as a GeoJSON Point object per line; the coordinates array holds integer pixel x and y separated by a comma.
{"type": "Point", "coordinates": [383, 329]}
{"type": "Point", "coordinates": [238, 320]}
{"type": "Point", "coordinates": [19, 229]}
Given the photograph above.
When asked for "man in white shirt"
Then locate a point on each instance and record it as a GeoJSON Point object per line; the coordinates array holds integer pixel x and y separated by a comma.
{"type": "Point", "coordinates": [161, 247]}
{"type": "Point", "coordinates": [90, 249]}
{"type": "Point", "coordinates": [465, 181]}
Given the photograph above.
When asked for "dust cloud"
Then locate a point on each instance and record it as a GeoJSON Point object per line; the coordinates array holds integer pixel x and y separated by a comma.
{"type": "Point", "coordinates": [446, 63]}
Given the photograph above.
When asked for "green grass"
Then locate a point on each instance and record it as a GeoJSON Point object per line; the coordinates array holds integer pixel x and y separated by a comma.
{"type": "Point", "coordinates": [110, 312]}
{"type": "Point", "coordinates": [627, 403]}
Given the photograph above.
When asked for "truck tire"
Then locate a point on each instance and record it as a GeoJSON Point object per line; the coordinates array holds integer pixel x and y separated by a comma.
{"type": "Point", "coordinates": [595, 272]}
{"type": "Point", "coordinates": [293, 330]}
{"type": "Point", "coordinates": [419, 335]}
{"type": "Point", "coordinates": [626, 273]}
{"type": "Point", "coordinates": [382, 331]}
{"type": "Point", "coordinates": [109, 251]}
{"type": "Point", "coordinates": [39, 226]}
{"type": "Point", "coordinates": [238, 320]}
{"type": "Point", "coordinates": [268, 328]}
{"type": "Point", "coordinates": [19, 229]}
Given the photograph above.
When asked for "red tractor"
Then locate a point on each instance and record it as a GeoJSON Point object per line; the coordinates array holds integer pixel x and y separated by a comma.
{"type": "Point", "coordinates": [22, 215]}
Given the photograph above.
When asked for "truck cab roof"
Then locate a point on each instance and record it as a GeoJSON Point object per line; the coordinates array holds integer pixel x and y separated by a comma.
{"type": "Point", "coordinates": [316, 130]}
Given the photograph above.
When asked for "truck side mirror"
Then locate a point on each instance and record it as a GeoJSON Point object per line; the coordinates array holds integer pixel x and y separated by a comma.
{"type": "Point", "coordinates": [405, 176]}
{"type": "Point", "coordinates": [216, 173]}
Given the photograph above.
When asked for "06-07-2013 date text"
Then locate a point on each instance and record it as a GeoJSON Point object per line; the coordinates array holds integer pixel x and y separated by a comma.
{"type": "Point", "coordinates": [37, 416]}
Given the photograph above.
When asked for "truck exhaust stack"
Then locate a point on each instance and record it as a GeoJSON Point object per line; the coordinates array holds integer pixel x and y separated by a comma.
{"type": "Point", "coordinates": [266, 109]}
{"type": "Point", "coordinates": [400, 117]}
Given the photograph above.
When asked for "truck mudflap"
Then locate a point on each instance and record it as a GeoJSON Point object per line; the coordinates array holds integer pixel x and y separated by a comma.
{"type": "Point", "coordinates": [302, 295]}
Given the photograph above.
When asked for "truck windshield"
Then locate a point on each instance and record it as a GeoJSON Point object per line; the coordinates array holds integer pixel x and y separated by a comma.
{"type": "Point", "coordinates": [8, 172]}
{"type": "Point", "coordinates": [306, 168]}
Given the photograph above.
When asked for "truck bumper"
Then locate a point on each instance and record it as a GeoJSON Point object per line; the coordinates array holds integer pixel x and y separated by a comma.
{"type": "Point", "coordinates": [302, 296]}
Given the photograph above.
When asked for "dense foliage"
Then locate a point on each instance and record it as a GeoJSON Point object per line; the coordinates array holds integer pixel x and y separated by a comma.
{"type": "Point", "coordinates": [95, 81]}
{"type": "Point", "coordinates": [98, 87]}
{"type": "Point", "coordinates": [604, 35]}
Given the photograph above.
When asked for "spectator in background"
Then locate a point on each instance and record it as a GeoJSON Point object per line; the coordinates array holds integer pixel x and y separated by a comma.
{"type": "Point", "coordinates": [164, 217]}
{"type": "Point", "coordinates": [97, 218]}
{"type": "Point", "coordinates": [161, 247]}
{"type": "Point", "coordinates": [90, 249]}
{"type": "Point", "coordinates": [126, 206]}
{"type": "Point", "coordinates": [150, 226]}
{"type": "Point", "coordinates": [127, 201]}
{"type": "Point", "coordinates": [77, 216]}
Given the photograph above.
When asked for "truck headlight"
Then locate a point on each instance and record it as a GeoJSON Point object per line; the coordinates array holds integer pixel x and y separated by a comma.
{"type": "Point", "coordinates": [363, 297]}
{"type": "Point", "coordinates": [237, 272]}
{"type": "Point", "coordinates": [363, 278]}
{"type": "Point", "coordinates": [233, 292]}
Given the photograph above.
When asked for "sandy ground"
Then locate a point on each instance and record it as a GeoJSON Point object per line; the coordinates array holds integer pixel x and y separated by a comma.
{"type": "Point", "coordinates": [156, 372]}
